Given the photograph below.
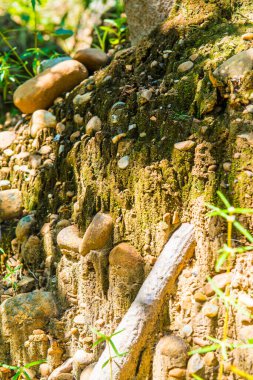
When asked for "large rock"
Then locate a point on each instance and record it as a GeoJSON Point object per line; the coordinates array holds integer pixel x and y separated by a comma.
{"type": "Point", "coordinates": [235, 67]}
{"type": "Point", "coordinates": [92, 58]}
{"type": "Point", "coordinates": [6, 139]}
{"type": "Point", "coordinates": [97, 234]}
{"type": "Point", "coordinates": [66, 367]}
{"type": "Point", "coordinates": [41, 91]}
{"type": "Point", "coordinates": [69, 241]}
{"type": "Point", "coordinates": [10, 204]}
{"type": "Point", "coordinates": [27, 312]}
{"type": "Point", "coordinates": [153, 12]}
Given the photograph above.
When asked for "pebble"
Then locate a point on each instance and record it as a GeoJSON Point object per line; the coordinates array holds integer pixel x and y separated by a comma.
{"type": "Point", "coordinates": [45, 149]}
{"type": "Point", "coordinates": [195, 364]}
{"type": "Point", "coordinates": [24, 227]}
{"type": "Point", "coordinates": [249, 109]}
{"type": "Point", "coordinates": [39, 92]}
{"type": "Point", "coordinates": [92, 58]}
{"type": "Point", "coordinates": [246, 300]}
{"type": "Point", "coordinates": [177, 373]}
{"type": "Point", "coordinates": [82, 358]}
{"type": "Point", "coordinates": [68, 240]}
{"type": "Point", "coordinates": [247, 36]}
{"type": "Point", "coordinates": [94, 125]}
{"type": "Point", "coordinates": [185, 66]}
{"type": "Point", "coordinates": [132, 126]}
{"type": "Point", "coordinates": [187, 330]}
{"type": "Point", "coordinates": [220, 280]}
{"type": "Point", "coordinates": [6, 139]}
{"type": "Point", "coordinates": [41, 119]}
{"type": "Point", "coordinates": [210, 310]}
{"type": "Point", "coordinates": [145, 96]}
{"type": "Point", "coordinates": [82, 99]}
{"type": "Point", "coordinates": [118, 137]}
{"type": "Point", "coordinates": [210, 359]}
{"type": "Point", "coordinates": [184, 145]}
{"type": "Point", "coordinates": [74, 136]}
{"type": "Point", "coordinates": [200, 297]}
{"type": "Point", "coordinates": [125, 255]}
{"type": "Point", "coordinates": [193, 57]}
{"type": "Point", "coordinates": [248, 137]}
{"type": "Point", "coordinates": [227, 166]}
{"type": "Point", "coordinates": [10, 204]}
{"type": "Point", "coordinates": [124, 162]}
{"type": "Point", "coordinates": [98, 234]}
{"type": "Point", "coordinates": [5, 184]}
{"type": "Point", "coordinates": [60, 128]}
{"type": "Point", "coordinates": [78, 119]}
{"type": "Point", "coordinates": [80, 319]}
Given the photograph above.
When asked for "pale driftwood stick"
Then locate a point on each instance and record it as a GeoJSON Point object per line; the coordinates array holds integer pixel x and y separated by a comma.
{"type": "Point", "coordinates": [140, 320]}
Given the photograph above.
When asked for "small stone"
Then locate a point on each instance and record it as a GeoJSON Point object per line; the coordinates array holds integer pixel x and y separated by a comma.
{"type": "Point", "coordinates": [247, 136]}
{"type": "Point", "coordinates": [4, 184]}
{"type": "Point", "coordinates": [186, 66]}
{"type": "Point", "coordinates": [74, 136]}
{"type": "Point", "coordinates": [80, 319]}
{"type": "Point", "coordinates": [145, 96]}
{"type": "Point", "coordinates": [245, 333]}
{"type": "Point", "coordinates": [44, 370]}
{"type": "Point", "coordinates": [184, 145]}
{"type": "Point", "coordinates": [41, 119]}
{"type": "Point", "coordinates": [247, 36]}
{"type": "Point", "coordinates": [125, 255]}
{"type": "Point", "coordinates": [210, 359]}
{"type": "Point", "coordinates": [39, 93]}
{"type": "Point", "coordinates": [187, 330]}
{"type": "Point", "coordinates": [82, 358]}
{"type": "Point", "coordinates": [210, 310]}
{"type": "Point", "coordinates": [60, 128]}
{"type": "Point", "coordinates": [6, 139]}
{"type": "Point", "coordinates": [249, 109]}
{"type": "Point", "coordinates": [143, 134]}
{"type": "Point", "coordinates": [69, 241]}
{"type": "Point", "coordinates": [220, 280]}
{"type": "Point", "coordinates": [8, 152]}
{"type": "Point", "coordinates": [227, 166]}
{"type": "Point", "coordinates": [35, 161]}
{"type": "Point", "coordinates": [195, 364]}
{"type": "Point", "coordinates": [10, 204]}
{"type": "Point", "coordinates": [124, 162]}
{"type": "Point", "coordinates": [175, 218]}
{"type": "Point", "coordinates": [94, 125]}
{"type": "Point", "coordinates": [193, 57]}
{"type": "Point", "coordinates": [65, 376]}
{"type": "Point", "coordinates": [92, 58]}
{"type": "Point", "coordinates": [45, 150]}
{"type": "Point", "coordinates": [178, 373]}
{"type": "Point", "coordinates": [78, 119]}
{"type": "Point", "coordinates": [82, 99]}
{"type": "Point", "coordinates": [64, 368]}
{"type": "Point", "coordinates": [200, 342]}
{"type": "Point", "coordinates": [246, 300]}
{"type": "Point", "coordinates": [24, 227]}
{"type": "Point", "coordinates": [27, 284]}
{"type": "Point", "coordinates": [132, 126]}
{"type": "Point", "coordinates": [200, 297]}
{"type": "Point", "coordinates": [98, 234]}
{"type": "Point", "coordinates": [172, 351]}
{"type": "Point", "coordinates": [118, 137]}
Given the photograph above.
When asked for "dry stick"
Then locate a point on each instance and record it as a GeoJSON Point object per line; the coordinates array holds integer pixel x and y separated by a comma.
{"type": "Point", "coordinates": [15, 53]}
{"type": "Point", "coordinates": [227, 294]}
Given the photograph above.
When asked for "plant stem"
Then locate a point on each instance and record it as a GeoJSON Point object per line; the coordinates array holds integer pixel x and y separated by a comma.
{"type": "Point", "coordinates": [227, 294]}
{"type": "Point", "coordinates": [15, 53]}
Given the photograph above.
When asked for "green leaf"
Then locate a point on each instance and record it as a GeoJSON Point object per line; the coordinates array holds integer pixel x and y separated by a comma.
{"type": "Point", "coordinates": [114, 347]}
{"type": "Point", "coordinates": [101, 340]}
{"type": "Point", "coordinates": [33, 364]}
{"type": "Point", "coordinates": [197, 377]}
{"type": "Point", "coordinates": [99, 333]}
{"type": "Point", "coordinates": [63, 33]}
{"type": "Point", "coordinates": [204, 350]}
{"type": "Point", "coordinates": [243, 231]}
{"type": "Point", "coordinates": [105, 363]}
{"type": "Point", "coordinates": [224, 199]}
{"type": "Point", "coordinates": [221, 260]}
{"type": "Point", "coordinates": [117, 332]}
